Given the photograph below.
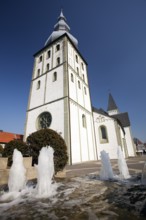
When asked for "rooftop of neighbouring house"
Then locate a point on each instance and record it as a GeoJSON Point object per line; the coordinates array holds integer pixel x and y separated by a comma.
{"type": "Point", "coordinates": [6, 137]}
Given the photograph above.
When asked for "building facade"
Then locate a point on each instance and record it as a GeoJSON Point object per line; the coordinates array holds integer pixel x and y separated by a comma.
{"type": "Point", "coordinates": [113, 129]}
{"type": "Point", "coordinates": [60, 97]}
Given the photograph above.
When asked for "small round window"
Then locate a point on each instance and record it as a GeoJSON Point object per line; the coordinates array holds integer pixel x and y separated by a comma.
{"type": "Point", "coordinates": [44, 120]}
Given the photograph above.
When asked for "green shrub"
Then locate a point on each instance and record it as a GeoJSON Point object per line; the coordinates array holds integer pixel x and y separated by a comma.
{"type": "Point", "coordinates": [48, 137]}
{"type": "Point", "coordinates": [1, 149]}
{"type": "Point", "coordinates": [19, 145]}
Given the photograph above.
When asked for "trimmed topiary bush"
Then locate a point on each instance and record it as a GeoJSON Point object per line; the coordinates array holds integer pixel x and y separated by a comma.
{"type": "Point", "coordinates": [48, 137]}
{"type": "Point", "coordinates": [19, 145]}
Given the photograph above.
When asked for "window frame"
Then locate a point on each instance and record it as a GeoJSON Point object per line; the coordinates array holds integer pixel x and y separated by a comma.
{"type": "Point", "coordinates": [79, 84]}
{"type": "Point", "coordinates": [48, 54]}
{"type": "Point", "coordinates": [40, 58]}
{"type": "Point", "coordinates": [47, 66]}
{"type": "Point", "coordinates": [54, 76]}
{"type": "Point", "coordinates": [72, 77]}
{"type": "Point", "coordinates": [77, 60]}
{"type": "Point", "coordinates": [40, 123]}
{"type": "Point", "coordinates": [38, 84]}
{"type": "Point", "coordinates": [84, 123]}
{"type": "Point", "coordinates": [58, 61]}
{"type": "Point", "coordinates": [103, 134]}
{"type": "Point", "coordinates": [57, 47]}
{"type": "Point", "coordinates": [82, 66]}
{"type": "Point", "coordinates": [83, 77]}
{"type": "Point", "coordinates": [38, 72]}
{"type": "Point", "coordinates": [78, 71]}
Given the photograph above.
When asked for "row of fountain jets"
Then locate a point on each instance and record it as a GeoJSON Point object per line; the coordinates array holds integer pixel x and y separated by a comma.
{"type": "Point", "coordinates": [45, 170]}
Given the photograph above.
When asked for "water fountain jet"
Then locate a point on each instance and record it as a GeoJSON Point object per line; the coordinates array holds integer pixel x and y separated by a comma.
{"type": "Point", "coordinates": [124, 172]}
{"type": "Point", "coordinates": [45, 171]}
{"type": "Point", "coordinates": [17, 178]}
{"type": "Point", "coordinates": [106, 172]}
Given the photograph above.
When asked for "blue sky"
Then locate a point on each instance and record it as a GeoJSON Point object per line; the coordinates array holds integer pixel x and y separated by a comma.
{"type": "Point", "coordinates": [112, 39]}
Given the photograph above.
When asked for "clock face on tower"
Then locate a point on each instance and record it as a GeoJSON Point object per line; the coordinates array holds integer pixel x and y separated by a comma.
{"type": "Point", "coordinates": [44, 120]}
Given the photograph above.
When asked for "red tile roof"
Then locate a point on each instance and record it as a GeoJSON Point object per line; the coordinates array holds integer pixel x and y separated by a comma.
{"type": "Point", "coordinates": [5, 137]}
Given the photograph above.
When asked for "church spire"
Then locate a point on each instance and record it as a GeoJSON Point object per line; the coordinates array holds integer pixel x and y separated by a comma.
{"type": "Point", "coordinates": [112, 107]}
{"type": "Point", "coordinates": [61, 24]}
{"type": "Point", "coordinates": [60, 28]}
{"type": "Point", "coordinates": [61, 15]}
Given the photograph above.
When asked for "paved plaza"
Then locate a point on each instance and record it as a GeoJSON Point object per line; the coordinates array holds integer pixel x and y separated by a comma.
{"type": "Point", "coordinates": [135, 166]}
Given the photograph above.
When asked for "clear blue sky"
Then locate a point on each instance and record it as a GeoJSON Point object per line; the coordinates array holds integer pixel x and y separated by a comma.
{"type": "Point", "coordinates": [112, 39]}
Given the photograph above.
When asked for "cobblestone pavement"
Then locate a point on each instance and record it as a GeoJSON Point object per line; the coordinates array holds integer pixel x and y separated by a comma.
{"type": "Point", "coordinates": [135, 166]}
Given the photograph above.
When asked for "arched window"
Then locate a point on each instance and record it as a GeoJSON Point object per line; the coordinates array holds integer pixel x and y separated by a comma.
{"type": "Point", "coordinates": [38, 84]}
{"type": "Point", "coordinates": [76, 58]}
{"type": "Point", "coordinates": [57, 47]}
{"type": "Point", "coordinates": [77, 70]}
{"type": "Point", "coordinates": [49, 54]}
{"type": "Point", "coordinates": [82, 66]}
{"type": "Point", "coordinates": [84, 121]}
{"type": "Point", "coordinates": [47, 67]}
{"type": "Point", "coordinates": [58, 61]}
{"type": "Point", "coordinates": [83, 78]}
{"type": "Point", "coordinates": [54, 76]}
{"type": "Point", "coordinates": [103, 134]}
{"type": "Point", "coordinates": [85, 91]}
{"type": "Point", "coordinates": [72, 77]}
{"type": "Point", "coordinates": [79, 84]}
{"type": "Point", "coordinates": [38, 72]}
{"type": "Point", "coordinates": [40, 59]}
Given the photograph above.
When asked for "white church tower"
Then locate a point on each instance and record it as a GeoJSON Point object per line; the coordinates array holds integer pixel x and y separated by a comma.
{"type": "Point", "coordinates": [59, 95]}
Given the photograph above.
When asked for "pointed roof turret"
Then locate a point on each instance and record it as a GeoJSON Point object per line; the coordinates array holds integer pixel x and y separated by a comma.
{"type": "Point", "coordinates": [60, 28]}
{"type": "Point", "coordinates": [111, 104]}
{"type": "Point", "coordinates": [61, 24]}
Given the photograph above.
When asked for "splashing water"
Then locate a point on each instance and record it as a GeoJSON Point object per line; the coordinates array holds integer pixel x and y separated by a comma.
{"type": "Point", "coordinates": [106, 172]}
{"type": "Point", "coordinates": [124, 172]}
{"type": "Point", "coordinates": [76, 198]}
{"type": "Point", "coordinates": [45, 172]}
{"type": "Point", "coordinates": [17, 178]}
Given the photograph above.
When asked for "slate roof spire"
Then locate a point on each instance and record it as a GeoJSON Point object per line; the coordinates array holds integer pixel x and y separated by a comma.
{"type": "Point", "coordinates": [111, 104]}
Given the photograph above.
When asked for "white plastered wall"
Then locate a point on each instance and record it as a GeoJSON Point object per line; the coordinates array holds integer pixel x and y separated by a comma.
{"type": "Point", "coordinates": [111, 146]}
{"type": "Point", "coordinates": [37, 95]}
{"type": "Point", "coordinates": [129, 141]}
{"type": "Point", "coordinates": [82, 138]}
{"type": "Point", "coordinates": [54, 89]}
